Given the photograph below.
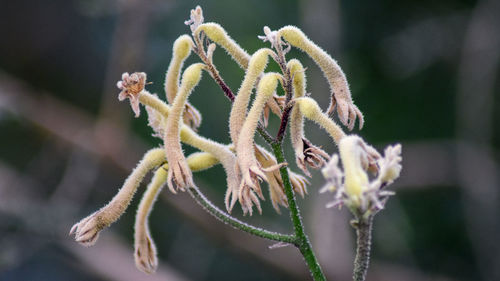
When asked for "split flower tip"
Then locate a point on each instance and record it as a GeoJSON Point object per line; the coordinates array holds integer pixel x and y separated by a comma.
{"type": "Point", "coordinates": [195, 19]}
{"type": "Point", "coordinates": [87, 230]}
{"type": "Point", "coordinates": [131, 86]}
{"type": "Point", "coordinates": [310, 155]}
{"type": "Point", "coordinates": [341, 99]}
{"type": "Point", "coordinates": [145, 254]}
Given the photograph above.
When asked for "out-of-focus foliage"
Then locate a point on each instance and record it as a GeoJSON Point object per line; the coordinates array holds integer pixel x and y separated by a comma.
{"type": "Point", "coordinates": [424, 73]}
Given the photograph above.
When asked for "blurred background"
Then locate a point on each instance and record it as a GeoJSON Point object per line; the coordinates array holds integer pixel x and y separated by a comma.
{"type": "Point", "coordinates": [424, 73]}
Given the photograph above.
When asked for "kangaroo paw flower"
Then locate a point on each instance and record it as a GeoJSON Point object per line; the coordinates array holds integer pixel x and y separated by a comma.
{"type": "Point", "coordinates": [145, 250]}
{"type": "Point", "coordinates": [218, 35]}
{"type": "Point", "coordinates": [256, 66]}
{"type": "Point", "coordinates": [131, 86]}
{"type": "Point", "coordinates": [251, 171]}
{"type": "Point", "coordinates": [340, 94]}
{"type": "Point", "coordinates": [352, 186]}
{"type": "Point", "coordinates": [179, 172]}
{"type": "Point", "coordinates": [145, 254]}
{"type": "Point", "coordinates": [181, 51]}
{"type": "Point", "coordinates": [87, 230]}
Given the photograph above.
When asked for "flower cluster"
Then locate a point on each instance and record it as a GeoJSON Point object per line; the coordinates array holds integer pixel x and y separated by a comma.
{"type": "Point", "coordinates": [247, 165]}
{"type": "Point", "coordinates": [353, 186]}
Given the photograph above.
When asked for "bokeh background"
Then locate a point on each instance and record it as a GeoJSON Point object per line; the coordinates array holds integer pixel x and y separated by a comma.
{"type": "Point", "coordinates": [425, 74]}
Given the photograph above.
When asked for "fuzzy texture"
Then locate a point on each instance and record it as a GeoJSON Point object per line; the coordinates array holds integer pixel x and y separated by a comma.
{"type": "Point", "coordinates": [248, 165]}
{"type": "Point", "coordinates": [87, 230]}
{"type": "Point", "coordinates": [306, 154]}
{"type": "Point", "coordinates": [131, 85]}
{"type": "Point", "coordinates": [145, 253]}
{"type": "Point", "coordinates": [145, 249]}
{"type": "Point", "coordinates": [217, 34]}
{"type": "Point", "coordinates": [181, 51]}
{"type": "Point", "coordinates": [179, 172]}
{"type": "Point", "coordinates": [224, 156]}
{"type": "Point", "coordinates": [311, 110]}
{"type": "Point", "coordinates": [356, 178]}
{"type": "Point", "coordinates": [340, 93]}
{"type": "Point", "coordinates": [218, 152]}
{"type": "Point", "coordinates": [258, 63]}
{"type": "Point", "coordinates": [276, 187]}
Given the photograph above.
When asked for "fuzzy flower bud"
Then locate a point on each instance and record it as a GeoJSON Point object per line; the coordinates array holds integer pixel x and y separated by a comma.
{"type": "Point", "coordinates": [217, 34]}
{"type": "Point", "coordinates": [181, 50]}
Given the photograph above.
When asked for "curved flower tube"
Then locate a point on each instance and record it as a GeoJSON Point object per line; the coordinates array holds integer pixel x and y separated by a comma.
{"type": "Point", "coordinates": [87, 230]}
{"type": "Point", "coordinates": [145, 250]}
{"type": "Point", "coordinates": [305, 152]}
{"type": "Point", "coordinates": [181, 51]}
{"type": "Point", "coordinates": [256, 66]}
{"type": "Point", "coordinates": [341, 95]}
{"type": "Point", "coordinates": [158, 112]}
{"type": "Point", "coordinates": [217, 34]}
{"type": "Point", "coordinates": [248, 165]}
{"type": "Point", "coordinates": [179, 173]}
{"type": "Point", "coordinates": [311, 110]}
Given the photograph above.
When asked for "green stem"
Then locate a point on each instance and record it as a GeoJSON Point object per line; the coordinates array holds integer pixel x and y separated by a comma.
{"type": "Point", "coordinates": [364, 237]}
{"type": "Point", "coordinates": [302, 241]}
{"type": "Point", "coordinates": [222, 216]}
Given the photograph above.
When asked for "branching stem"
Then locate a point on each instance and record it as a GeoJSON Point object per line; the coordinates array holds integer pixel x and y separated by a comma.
{"type": "Point", "coordinates": [299, 238]}
{"type": "Point", "coordinates": [226, 218]}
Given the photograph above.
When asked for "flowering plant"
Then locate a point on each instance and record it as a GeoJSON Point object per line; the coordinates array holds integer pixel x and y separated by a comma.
{"type": "Point", "coordinates": [359, 185]}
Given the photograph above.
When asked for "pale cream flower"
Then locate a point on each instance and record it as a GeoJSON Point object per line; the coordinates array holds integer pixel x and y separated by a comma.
{"type": "Point", "coordinates": [179, 172]}
{"type": "Point", "coordinates": [340, 94]}
{"type": "Point", "coordinates": [87, 230]}
{"type": "Point", "coordinates": [249, 167]}
{"type": "Point", "coordinates": [353, 185]}
{"type": "Point", "coordinates": [181, 51]}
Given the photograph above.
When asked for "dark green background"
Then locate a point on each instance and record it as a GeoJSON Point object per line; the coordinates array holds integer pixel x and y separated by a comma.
{"type": "Point", "coordinates": [424, 73]}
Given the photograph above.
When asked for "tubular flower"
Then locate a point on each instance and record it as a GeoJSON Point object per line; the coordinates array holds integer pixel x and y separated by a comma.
{"type": "Point", "coordinates": [224, 156]}
{"type": "Point", "coordinates": [181, 51]}
{"type": "Point", "coordinates": [87, 230]}
{"type": "Point", "coordinates": [353, 185]}
{"type": "Point", "coordinates": [305, 152]}
{"type": "Point", "coordinates": [158, 113]}
{"type": "Point", "coordinates": [311, 110]}
{"type": "Point", "coordinates": [179, 173]}
{"type": "Point", "coordinates": [258, 63]}
{"type": "Point", "coordinates": [145, 250]}
{"type": "Point", "coordinates": [340, 93]}
{"type": "Point", "coordinates": [217, 34]}
{"type": "Point", "coordinates": [248, 165]}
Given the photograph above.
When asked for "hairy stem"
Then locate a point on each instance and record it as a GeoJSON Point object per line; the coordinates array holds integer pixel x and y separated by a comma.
{"type": "Point", "coordinates": [302, 241]}
{"type": "Point", "coordinates": [364, 238]}
{"type": "Point", "coordinates": [225, 218]}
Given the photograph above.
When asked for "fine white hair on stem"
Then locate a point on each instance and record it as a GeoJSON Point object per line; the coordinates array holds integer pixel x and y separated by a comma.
{"type": "Point", "coordinates": [87, 230]}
